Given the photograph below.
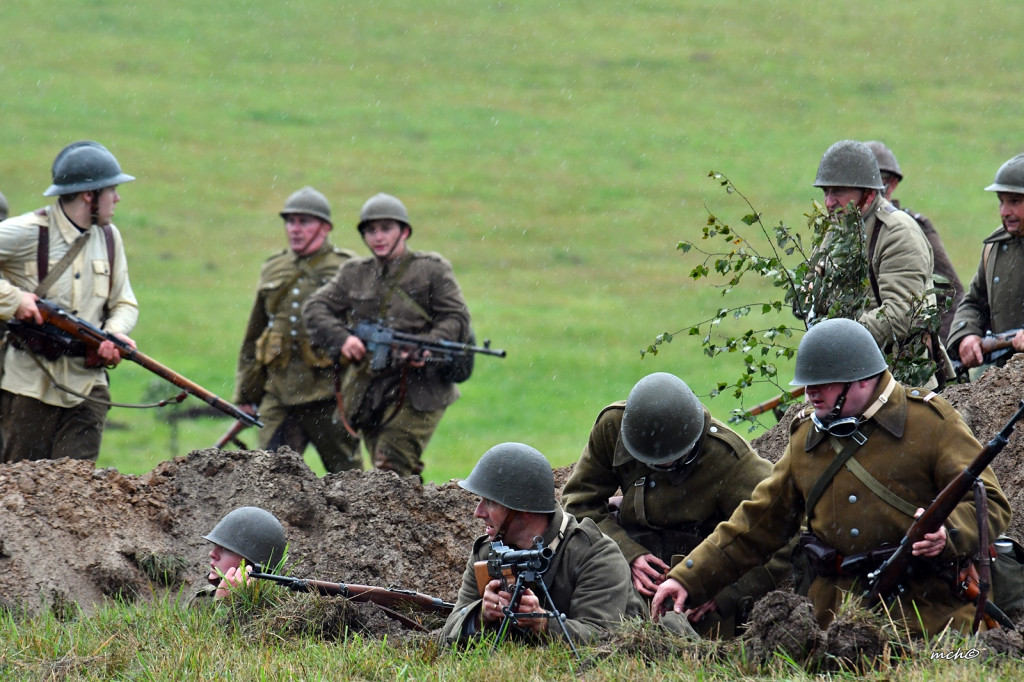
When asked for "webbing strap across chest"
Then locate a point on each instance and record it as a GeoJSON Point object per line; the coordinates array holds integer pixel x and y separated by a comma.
{"type": "Point", "coordinates": [393, 289]}
{"type": "Point", "coordinates": [46, 276]}
{"type": "Point", "coordinates": [302, 269]}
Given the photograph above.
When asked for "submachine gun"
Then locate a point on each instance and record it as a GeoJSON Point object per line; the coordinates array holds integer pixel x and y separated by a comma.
{"type": "Point", "coordinates": [527, 567]}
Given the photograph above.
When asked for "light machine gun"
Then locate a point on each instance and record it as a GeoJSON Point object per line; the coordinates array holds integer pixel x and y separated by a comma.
{"type": "Point", "coordinates": [381, 341]}
{"type": "Point", "coordinates": [528, 567]}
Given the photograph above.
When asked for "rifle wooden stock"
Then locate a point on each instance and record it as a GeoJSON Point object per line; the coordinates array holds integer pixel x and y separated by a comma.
{"type": "Point", "coordinates": [992, 342]}
{"type": "Point", "coordinates": [388, 598]}
{"type": "Point", "coordinates": [93, 336]}
{"type": "Point", "coordinates": [886, 581]}
{"type": "Point", "coordinates": [761, 408]}
{"type": "Point", "coordinates": [231, 436]}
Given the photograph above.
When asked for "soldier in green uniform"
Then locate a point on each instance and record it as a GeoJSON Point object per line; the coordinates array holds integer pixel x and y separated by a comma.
{"type": "Point", "coordinates": [680, 472]}
{"type": "Point", "coordinates": [952, 289]}
{"type": "Point", "coordinates": [995, 301]}
{"type": "Point", "coordinates": [588, 578]}
{"type": "Point", "coordinates": [900, 261]}
{"type": "Point", "coordinates": [397, 409]}
{"type": "Point", "coordinates": [251, 534]}
{"type": "Point", "coordinates": [896, 447]}
{"type": "Point", "coordinates": [278, 370]}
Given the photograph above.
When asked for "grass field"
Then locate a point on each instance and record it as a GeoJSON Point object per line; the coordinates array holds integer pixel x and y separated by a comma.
{"type": "Point", "coordinates": [554, 152]}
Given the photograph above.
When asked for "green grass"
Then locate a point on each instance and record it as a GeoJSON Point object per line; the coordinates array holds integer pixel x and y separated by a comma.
{"type": "Point", "coordinates": [554, 152]}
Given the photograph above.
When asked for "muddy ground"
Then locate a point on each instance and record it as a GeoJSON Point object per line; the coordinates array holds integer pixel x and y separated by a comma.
{"type": "Point", "coordinates": [70, 533]}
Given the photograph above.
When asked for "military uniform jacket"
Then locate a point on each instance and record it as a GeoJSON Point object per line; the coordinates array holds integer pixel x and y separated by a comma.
{"type": "Point", "coordinates": [943, 267]}
{"type": "Point", "coordinates": [417, 294]}
{"type": "Point", "coordinates": [995, 300]}
{"type": "Point", "coordinates": [276, 357]}
{"type": "Point", "coordinates": [919, 445]}
{"type": "Point", "coordinates": [589, 582]}
{"type": "Point", "coordinates": [87, 289]}
{"type": "Point", "coordinates": [692, 501]}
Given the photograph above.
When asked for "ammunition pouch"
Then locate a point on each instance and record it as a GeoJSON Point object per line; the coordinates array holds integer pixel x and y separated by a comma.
{"type": "Point", "coordinates": [272, 349]}
{"type": "Point", "coordinates": [314, 358]}
{"type": "Point", "coordinates": [381, 393]}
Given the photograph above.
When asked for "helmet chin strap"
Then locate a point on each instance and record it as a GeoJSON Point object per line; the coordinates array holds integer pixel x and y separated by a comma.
{"type": "Point", "coordinates": [512, 514]}
{"type": "Point", "coordinates": [840, 401]}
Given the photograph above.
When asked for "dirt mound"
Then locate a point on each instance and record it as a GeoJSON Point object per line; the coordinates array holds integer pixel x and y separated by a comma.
{"type": "Point", "coordinates": [71, 534]}
{"type": "Point", "coordinates": [783, 622]}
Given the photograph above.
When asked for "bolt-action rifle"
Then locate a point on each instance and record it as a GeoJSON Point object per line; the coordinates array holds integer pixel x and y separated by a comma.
{"type": "Point", "coordinates": [771, 404]}
{"type": "Point", "coordinates": [385, 597]}
{"type": "Point", "coordinates": [993, 347]}
{"type": "Point", "coordinates": [62, 328]}
{"type": "Point", "coordinates": [887, 581]}
{"type": "Point", "coordinates": [381, 341]}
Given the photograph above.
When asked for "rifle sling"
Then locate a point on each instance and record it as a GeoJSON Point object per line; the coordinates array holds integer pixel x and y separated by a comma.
{"type": "Point", "coordinates": [46, 279]}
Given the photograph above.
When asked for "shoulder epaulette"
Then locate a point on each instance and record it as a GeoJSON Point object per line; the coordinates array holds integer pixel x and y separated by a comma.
{"type": "Point", "coordinates": [737, 444]}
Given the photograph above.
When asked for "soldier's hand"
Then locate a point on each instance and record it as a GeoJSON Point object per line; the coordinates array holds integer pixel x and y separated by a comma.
{"type": "Point", "coordinates": [530, 603]}
{"type": "Point", "coordinates": [669, 591]}
{"type": "Point", "coordinates": [233, 578]}
{"type": "Point", "coordinates": [932, 544]}
{"type": "Point", "coordinates": [109, 351]}
{"type": "Point", "coordinates": [697, 614]}
{"type": "Point", "coordinates": [648, 572]}
{"type": "Point", "coordinates": [353, 349]}
{"type": "Point", "coordinates": [490, 608]}
{"type": "Point", "coordinates": [1018, 341]}
{"type": "Point", "coordinates": [970, 351]}
{"type": "Point", "coordinates": [27, 310]}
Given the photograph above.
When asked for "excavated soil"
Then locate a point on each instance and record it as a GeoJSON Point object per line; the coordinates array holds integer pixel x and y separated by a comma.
{"type": "Point", "coordinates": [71, 534]}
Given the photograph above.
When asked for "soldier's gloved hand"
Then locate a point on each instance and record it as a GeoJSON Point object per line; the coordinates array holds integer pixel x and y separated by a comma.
{"type": "Point", "coordinates": [932, 544]}
{"type": "Point", "coordinates": [671, 595]}
{"type": "Point", "coordinates": [648, 572]}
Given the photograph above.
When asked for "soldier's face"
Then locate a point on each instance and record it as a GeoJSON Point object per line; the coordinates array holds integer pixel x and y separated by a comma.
{"type": "Point", "coordinates": [1011, 211]}
{"type": "Point", "coordinates": [306, 233]}
{"type": "Point", "coordinates": [824, 396]}
{"type": "Point", "coordinates": [386, 238]}
{"type": "Point", "coordinates": [221, 560]}
{"type": "Point", "coordinates": [492, 514]}
{"type": "Point", "coordinates": [837, 199]}
{"type": "Point", "coordinates": [105, 200]}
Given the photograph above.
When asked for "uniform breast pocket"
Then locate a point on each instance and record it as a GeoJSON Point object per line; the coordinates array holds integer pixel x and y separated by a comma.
{"type": "Point", "coordinates": [101, 278]}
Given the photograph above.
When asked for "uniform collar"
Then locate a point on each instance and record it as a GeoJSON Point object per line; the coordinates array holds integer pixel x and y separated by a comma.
{"type": "Point", "coordinates": [60, 219]}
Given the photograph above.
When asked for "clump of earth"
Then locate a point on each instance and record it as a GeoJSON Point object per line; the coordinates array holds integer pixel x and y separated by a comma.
{"type": "Point", "coordinates": [71, 534]}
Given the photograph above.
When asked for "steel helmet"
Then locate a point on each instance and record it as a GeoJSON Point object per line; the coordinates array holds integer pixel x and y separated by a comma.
{"type": "Point", "coordinates": [515, 476]}
{"type": "Point", "coordinates": [84, 166]}
{"type": "Point", "coordinates": [837, 351]}
{"type": "Point", "coordinates": [309, 202]}
{"type": "Point", "coordinates": [4, 208]}
{"type": "Point", "coordinates": [1009, 177]}
{"type": "Point", "coordinates": [887, 162]}
{"type": "Point", "coordinates": [253, 533]}
{"type": "Point", "coordinates": [663, 419]}
{"type": "Point", "coordinates": [383, 207]}
{"type": "Point", "coordinates": [849, 163]}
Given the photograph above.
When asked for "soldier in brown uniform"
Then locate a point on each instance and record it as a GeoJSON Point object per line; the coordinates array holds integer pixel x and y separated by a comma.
{"type": "Point", "coordinates": [680, 473]}
{"type": "Point", "coordinates": [588, 579]}
{"type": "Point", "coordinates": [995, 301]}
{"type": "Point", "coordinates": [397, 409]}
{"type": "Point", "coordinates": [278, 370]}
{"type": "Point", "coordinates": [908, 444]}
{"type": "Point", "coordinates": [899, 257]}
{"type": "Point", "coordinates": [952, 290]}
